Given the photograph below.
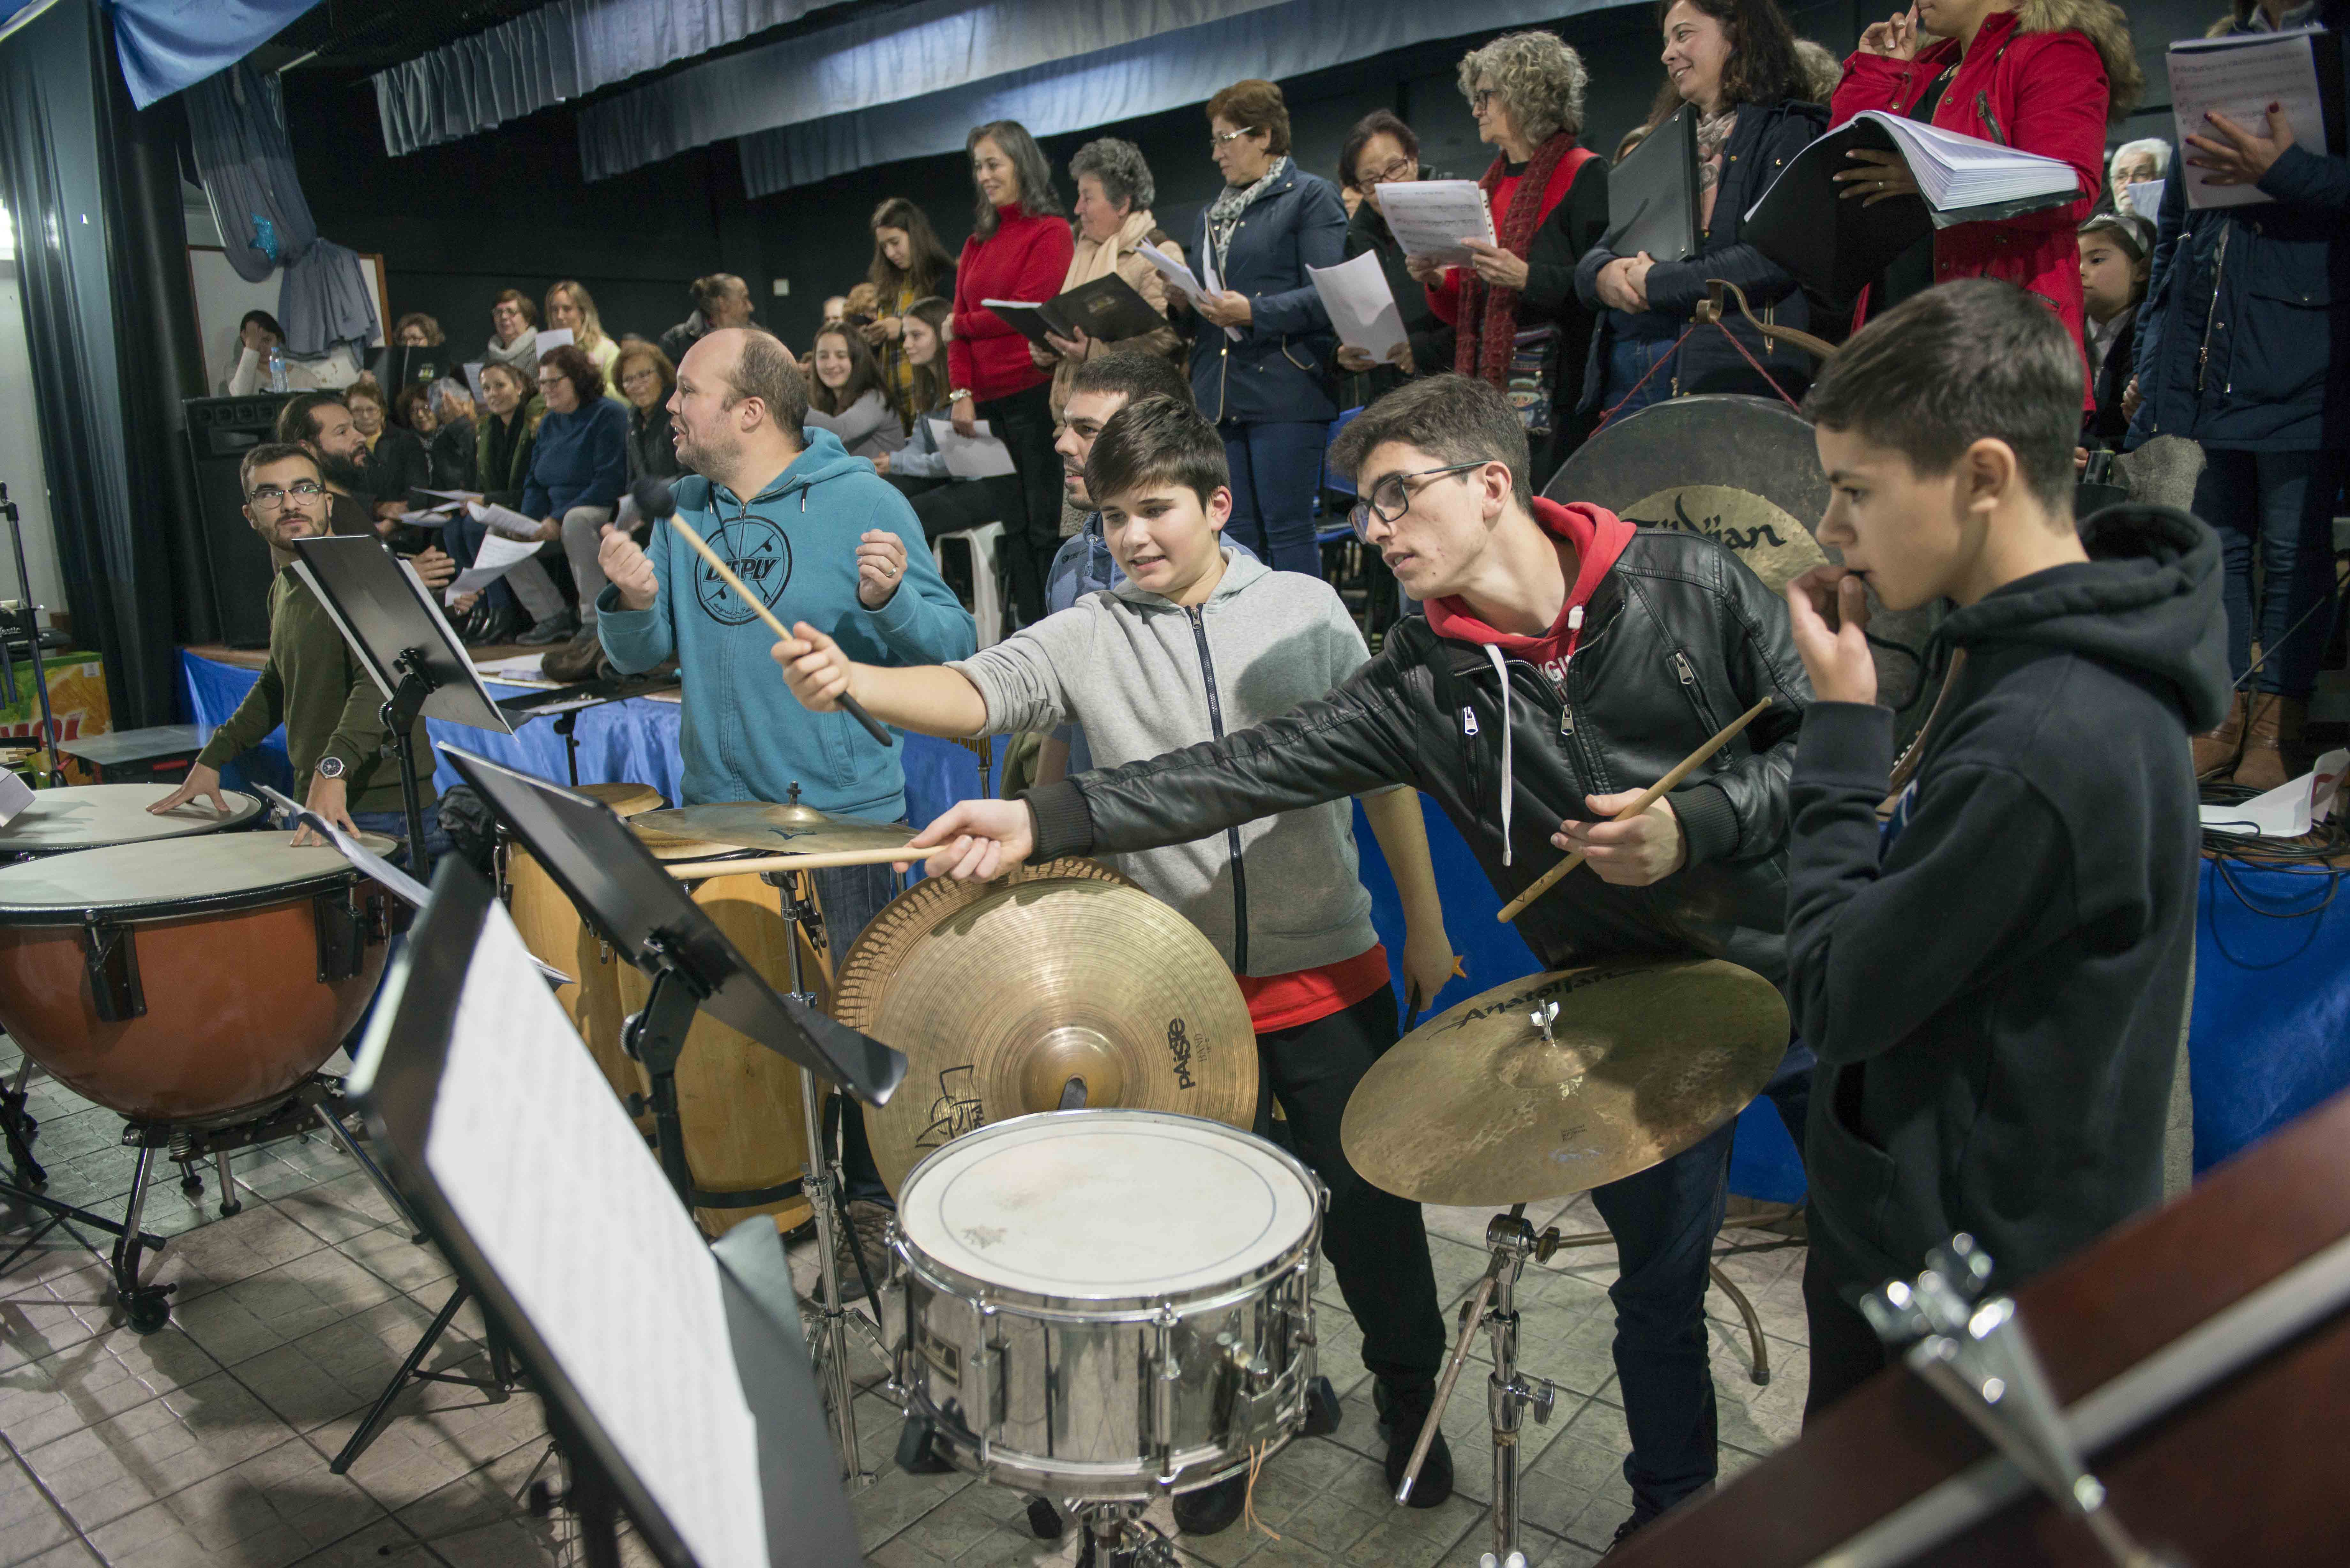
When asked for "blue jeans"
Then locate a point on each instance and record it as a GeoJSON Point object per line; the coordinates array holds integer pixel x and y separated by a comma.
{"type": "Point", "coordinates": [1629, 359]}
{"type": "Point", "coordinates": [2283, 503]}
{"type": "Point", "coordinates": [1276, 470]}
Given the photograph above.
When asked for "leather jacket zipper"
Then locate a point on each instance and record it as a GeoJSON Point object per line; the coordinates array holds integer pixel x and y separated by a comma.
{"type": "Point", "coordinates": [1231, 835]}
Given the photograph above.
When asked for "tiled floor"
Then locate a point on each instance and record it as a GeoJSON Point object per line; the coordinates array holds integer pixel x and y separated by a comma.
{"type": "Point", "coordinates": [208, 1442]}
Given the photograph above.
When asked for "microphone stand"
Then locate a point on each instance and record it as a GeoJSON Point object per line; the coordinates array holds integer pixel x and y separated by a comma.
{"type": "Point", "coordinates": [32, 624]}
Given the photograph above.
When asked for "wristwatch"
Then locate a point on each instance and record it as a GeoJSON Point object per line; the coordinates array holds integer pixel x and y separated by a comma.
{"type": "Point", "coordinates": [331, 767]}
{"type": "Point", "coordinates": [957, 394]}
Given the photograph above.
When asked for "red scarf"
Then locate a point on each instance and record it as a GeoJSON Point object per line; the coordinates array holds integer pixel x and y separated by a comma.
{"type": "Point", "coordinates": [1489, 314]}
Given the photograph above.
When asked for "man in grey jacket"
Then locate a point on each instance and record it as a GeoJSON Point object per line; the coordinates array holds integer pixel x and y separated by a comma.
{"type": "Point", "coordinates": [1199, 640]}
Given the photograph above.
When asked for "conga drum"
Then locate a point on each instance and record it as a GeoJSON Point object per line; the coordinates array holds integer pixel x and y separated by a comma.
{"type": "Point", "coordinates": [197, 981]}
{"type": "Point", "coordinates": [98, 816]}
{"type": "Point", "coordinates": [739, 1102]}
{"type": "Point", "coordinates": [551, 928]}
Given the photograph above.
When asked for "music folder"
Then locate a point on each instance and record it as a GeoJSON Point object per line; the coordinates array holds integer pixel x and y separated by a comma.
{"type": "Point", "coordinates": [1652, 194]}
{"type": "Point", "coordinates": [1108, 307]}
{"type": "Point", "coordinates": [673, 1373]}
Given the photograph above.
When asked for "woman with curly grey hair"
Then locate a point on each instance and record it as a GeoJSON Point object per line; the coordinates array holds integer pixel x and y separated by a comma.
{"type": "Point", "coordinates": [1114, 223]}
{"type": "Point", "coordinates": [1519, 323]}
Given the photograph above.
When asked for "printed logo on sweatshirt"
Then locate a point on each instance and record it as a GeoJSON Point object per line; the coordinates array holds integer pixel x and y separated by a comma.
{"type": "Point", "coordinates": [759, 552]}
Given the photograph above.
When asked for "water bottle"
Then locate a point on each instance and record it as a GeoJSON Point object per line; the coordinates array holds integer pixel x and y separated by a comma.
{"type": "Point", "coordinates": [277, 369]}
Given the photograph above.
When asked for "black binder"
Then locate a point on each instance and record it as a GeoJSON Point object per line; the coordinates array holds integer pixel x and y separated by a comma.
{"type": "Point", "coordinates": [1652, 194]}
{"type": "Point", "coordinates": [1108, 309]}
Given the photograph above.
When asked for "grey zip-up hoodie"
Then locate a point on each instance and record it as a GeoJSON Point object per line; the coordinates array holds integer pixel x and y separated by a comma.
{"type": "Point", "coordinates": [1144, 675]}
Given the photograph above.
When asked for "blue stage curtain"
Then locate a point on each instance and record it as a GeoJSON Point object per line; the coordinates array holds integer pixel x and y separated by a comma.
{"type": "Point", "coordinates": [167, 45]}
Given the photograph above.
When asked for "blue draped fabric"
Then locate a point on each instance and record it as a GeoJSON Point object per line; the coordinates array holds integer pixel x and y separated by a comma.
{"type": "Point", "coordinates": [2270, 1037]}
{"type": "Point", "coordinates": [167, 45]}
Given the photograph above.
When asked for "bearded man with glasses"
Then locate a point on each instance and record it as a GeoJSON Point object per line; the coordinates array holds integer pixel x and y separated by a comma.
{"type": "Point", "coordinates": [1567, 661]}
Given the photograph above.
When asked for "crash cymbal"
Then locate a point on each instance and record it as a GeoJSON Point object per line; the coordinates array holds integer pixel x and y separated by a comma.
{"type": "Point", "coordinates": [757, 825]}
{"type": "Point", "coordinates": [1000, 993]}
{"type": "Point", "coordinates": [1645, 1057]}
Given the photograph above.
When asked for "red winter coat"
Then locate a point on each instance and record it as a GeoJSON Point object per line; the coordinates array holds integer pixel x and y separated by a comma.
{"type": "Point", "coordinates": [1026, 259]}
{"type": "Point", "coordinates": [2045, 92]}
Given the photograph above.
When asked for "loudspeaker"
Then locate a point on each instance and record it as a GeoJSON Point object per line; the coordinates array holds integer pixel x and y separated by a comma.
{"type": "Point", "coordinates": [221, 431]}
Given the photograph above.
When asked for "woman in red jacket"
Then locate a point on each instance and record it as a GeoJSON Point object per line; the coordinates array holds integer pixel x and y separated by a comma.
{"type": "Point", "coordinates": [1020, 251]}
{"type": "Point", "coordinates": [2041, 76]}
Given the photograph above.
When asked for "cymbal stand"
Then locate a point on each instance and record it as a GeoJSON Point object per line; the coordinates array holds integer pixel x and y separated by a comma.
{"type": "Point", "coordinates": [822, 1184]}
{"type": "Point", "coordinates": [1508, 1392]}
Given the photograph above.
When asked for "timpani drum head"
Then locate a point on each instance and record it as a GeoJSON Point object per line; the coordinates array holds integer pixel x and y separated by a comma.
{"type": "Point", "coordinates": [94, 816]}
{"type": "Point", "coordinates": [158, 881]}
{"type": "Point", "coordinates": [1086, 1205]}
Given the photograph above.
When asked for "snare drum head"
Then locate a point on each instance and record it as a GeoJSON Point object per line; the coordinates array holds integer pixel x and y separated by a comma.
{"type": "Point", "coordinates": [93, 817]}
{"type": "Point", "coordinates": [155, 880]}
{"type": "Point", "coordinates": [1092, 1204]}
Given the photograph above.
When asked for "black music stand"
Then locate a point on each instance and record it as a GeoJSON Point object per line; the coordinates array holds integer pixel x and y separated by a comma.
{"type": "Point", "coordinates": [564, 704]}
{"type": "Point", "coordinates": [394, 624]}
{"type": "Point", "coordinates": [426, 1063]}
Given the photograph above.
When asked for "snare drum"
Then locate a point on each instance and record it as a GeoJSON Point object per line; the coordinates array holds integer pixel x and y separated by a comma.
{"type": "Point", "coordinates": [1104, 1304]}
{"type": "Point", "coordinates": [197, 980]}
{"type": "Point", "coordinates": [97, 816]}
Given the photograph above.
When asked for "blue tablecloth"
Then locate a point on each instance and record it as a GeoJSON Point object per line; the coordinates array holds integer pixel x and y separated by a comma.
{"type": "Point", "coordinates": [2269, 1034]}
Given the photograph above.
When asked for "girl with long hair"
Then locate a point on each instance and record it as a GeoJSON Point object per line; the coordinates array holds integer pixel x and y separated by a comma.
{"type": "Point", "coordinates": [909, 265]}
{"type": "Point", "coordinates": [846, 397]}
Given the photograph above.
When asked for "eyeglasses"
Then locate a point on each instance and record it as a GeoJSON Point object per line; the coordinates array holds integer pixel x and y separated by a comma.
{"type": "Point", "coordinates": [1481, 98]}
{"type": "Point", "coordinates": [552, 381]}
{"type": "Point", "coordinates": [638, 378]}
{"type": "Point", "coordinates": [1217, 138]}
{"type": "Point", "coordinates": [269, 497]}
{"type": "Point", "coordinates": [1390, 498]}
{"type": "Point", "coordinates": [1387, 174]}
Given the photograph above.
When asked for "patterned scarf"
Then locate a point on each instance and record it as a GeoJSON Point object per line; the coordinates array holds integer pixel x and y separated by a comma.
{"type": "Point", "coordinates": [1489, 314]}
{"type": "Point", "coordinates": [1225, 212]}
{"type": "Point", "coordinates": [1713, 137]}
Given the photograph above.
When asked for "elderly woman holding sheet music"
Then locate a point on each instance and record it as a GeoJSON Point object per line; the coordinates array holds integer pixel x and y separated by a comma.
{"type": "Point", "coordinates": [2044, 80]}
{"type": "Point", "coordinates": [1734, 72]}
{"type": "Point", "coordinates": [1114, 223]}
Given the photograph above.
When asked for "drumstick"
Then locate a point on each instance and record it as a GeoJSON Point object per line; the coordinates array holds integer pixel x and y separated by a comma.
{"type": "Point", "coordinates": [756, 865]}
{"type": "Point", "coordinates": [856, 710]}
{"type": "Point", "coordinates": [1517, 906]}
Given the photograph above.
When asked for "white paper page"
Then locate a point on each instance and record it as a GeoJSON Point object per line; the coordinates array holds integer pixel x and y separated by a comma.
{"type": "Point", "coordinates": [523, 666]}
{"type": "Point", "coordinates": [454, 495]}
{"type": "Point", "coordinates": [550, 338]}
{"type": "Point", "coordinates": [1012, 304]}
{"type": "Point", "coordinates": [2287, 811]}
{"type": "Point", "coordinates": [551, 1180]}
{"type": "Point", "coordinates": [2146, 198]}
{"type": "Point", "coordinates": [504, 520]}
{"type": "Point", "coordinates": [1362, 307]}
{"type": "Point", "coordinates": [1954, 170]}
{"type": "Point", "coordinates": [474, 379]}
{"type": "Point", "coordinates": [975, 456]}
{"type": "Point", "coordinates": [15, 795]}
{"type": "Point", "coordinates": [497, 556]}
{"type": "Point", "coordinates": [1183, 281]}
{"type": "Point", "coordinates": [2241, 82]}
{"type": "Point", "coordinates": [1430, 218]}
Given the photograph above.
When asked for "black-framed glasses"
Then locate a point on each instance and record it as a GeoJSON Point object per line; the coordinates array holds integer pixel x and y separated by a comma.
{"type": "Point", "coordinates": [1481, 98]}
{"type": "Point", "coordinates": [268, 497]}
{"type": "Point", "coordinates": [1388, 173]}
{"type": "Point", "coordinates": [1390, 498]}
{"type": "Point", "coordinates": [1218, 137]}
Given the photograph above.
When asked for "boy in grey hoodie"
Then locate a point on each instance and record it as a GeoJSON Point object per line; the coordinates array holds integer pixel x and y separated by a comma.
{"type": "Point", "coordinates": [1196, 642]}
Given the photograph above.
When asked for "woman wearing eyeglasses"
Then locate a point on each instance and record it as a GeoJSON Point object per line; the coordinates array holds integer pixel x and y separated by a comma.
{"type": "Point", "coordinates": [1260, 363]}
{"type": "Point", "coordinates": [645, 377]}
{"type": "Point", "coordinates": [1382, 151]}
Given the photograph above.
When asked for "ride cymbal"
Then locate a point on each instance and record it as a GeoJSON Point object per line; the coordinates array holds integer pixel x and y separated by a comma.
{"type": "Point", "coordinates": [1645, 1057]}
{"type": "Point", "coordinates": [1002, 993]}
{"type": "Point", "coordinates": [758, 824]}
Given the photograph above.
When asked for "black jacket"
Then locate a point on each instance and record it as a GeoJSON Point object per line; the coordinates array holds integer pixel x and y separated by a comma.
{"type": "Point", "coordinates": [1279, 369]}
{"type": "Point", "coordinates": [1430, 334]}
{"type": "Point", "coordinates": [1765, 140]}
{"type": "Point", "coordinates": [1679, 640]}
{"type": "Point", "coordinates": [652, 449]}
{"type": "Point", "coordinates": [2107, 426]}
{"type": "Point", "coordinates": [398, 464]}
{"type": "Point", "coordinates": [1994, 981]}
{"type": "Point", "coordinates": [454, 454]}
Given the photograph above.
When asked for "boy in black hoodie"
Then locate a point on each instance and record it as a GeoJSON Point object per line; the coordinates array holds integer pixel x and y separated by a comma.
{"type": "Point", "coordinates": [1993, 976]}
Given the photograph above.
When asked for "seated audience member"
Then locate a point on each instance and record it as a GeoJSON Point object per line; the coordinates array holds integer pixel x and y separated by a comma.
{"type": "Point", "coordinates": [525, 598]}
{"type": "Point", "coordinates": [2135, 163]}
{"type": "Point", "coordinates": [513, 332]}
{"type": "Point", "coordinates": [909, 265]}
{"type": "Point", "coordinates": [578, 466]}
{"type": "Point", "coordinates": [569, 305]}
{"type": "Point", "coordinates": [417, 330]}
{"type": "Point", "coordinates": [412, 411]}
{"type": "Point", "coordinates": [313, 682]}
{"type": "Point", "coordinates": [1382, 151]}
{"type": "Point", "coordinates": [1734, 62]}
{"type": "Point", "coordinates": [397, 463]}
{"type": "Point", "coordinates": [646, 378]}
{"type": "Point", "coordinates": [454, 453]}
{"type": "Point", "coordinates": [2243, 347]}
{"type": "Point", "coordinates": [257, 335]}
{"type": "Point", "coordinates": [2006, 1078]}
{"type": "Point", "coordinates": [846, 396]}
{"type": "Point", "coordinates": [943, 503]}
{"type": "Point", "coordinates": [722, 299]}
{"type": "Point", "coordinates": [835, 310]}
{"type": "Point", "coordinates": [864, 305]}
{"type": "Point", "coordinates": [1113, 212]}
{"type": "Point", "coordinates": [321, 424]}
{"type": "Point", "coordinates": [2115, 251]}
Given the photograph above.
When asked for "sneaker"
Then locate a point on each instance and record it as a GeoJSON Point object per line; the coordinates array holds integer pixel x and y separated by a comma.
{"type": "Point", "coordinates": [1629, 1529]}
{"type": "Point", "coordinates": [1403, 1409]}
{"type": "Point", "coordinates": [1211, 1508]}
{"type": "Point", "coordinates": [557, 627]}
{"type": "Point", "coordinates": [868, 1230]}
{"type": "Point", "coordinates": [576, 660]}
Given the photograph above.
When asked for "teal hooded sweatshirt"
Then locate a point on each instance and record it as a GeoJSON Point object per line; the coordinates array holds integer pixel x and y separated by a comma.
{"type": "Point", "coordinates": [744, 735]}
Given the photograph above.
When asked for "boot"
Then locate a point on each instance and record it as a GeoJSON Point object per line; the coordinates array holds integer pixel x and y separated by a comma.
{"type": "Point", "coordinates": [2271, 730]}
{"type": "Point", "coordinates": [2216, 749]}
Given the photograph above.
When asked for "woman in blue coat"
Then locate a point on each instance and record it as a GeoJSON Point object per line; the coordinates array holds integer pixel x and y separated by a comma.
{"type": "Point", "coordinates": [1266, 388]}
{"type": "Point", "coordinates": [2244, 347]}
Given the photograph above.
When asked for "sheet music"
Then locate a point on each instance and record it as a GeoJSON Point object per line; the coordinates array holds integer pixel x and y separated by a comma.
{"type": "Point", "coordinates": [551, 1180]}
{"type": "Point", "coordinates": [550, 338]}
{"type": "Point", "coordinates": [974, 456]}
{"type": "Point", "coordinates": [1430, 218]}
{"type": "Point", "coordinates": [1183, 281]}
{"type": "Point", "coordinates": [1362, 307]}
{"type": "Point", "coordinates": [2146, 198]}
{"type": "Point", "coordinates": [506, 520]}
{"type": "Point", "coordinates": [497, 556]}
{"type": "Point", "coordinates": [2239, 78]}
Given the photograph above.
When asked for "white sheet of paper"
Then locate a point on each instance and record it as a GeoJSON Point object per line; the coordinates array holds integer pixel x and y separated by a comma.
{"type": "Point", "coordinates": [497, 556]}
{"type": "Point", "coordinates": [504, 520]}
{"type": "Point", "coordinates": [1362, 307]}
{"type": "Point", "coordinates": [2146, 198]}
{"type": "Point", "coordinates": [15, 795]}
{"type": "Point", "coordinates": [2287, 811]}
{"type": "Point", "coordinates": [1185, 282]}
{"type": "Point", "coordinates": [454, 495]}
{"type": "Point", "coordinates": [523, 666]}
{"type": "Point", "coordinates": [550, 338]}
{"type": "Point", "coordinates": [1430, 218]}
{"type": "Point", "coordinates": [2241, 80]}
{"type": "Point", "coordinates": [975, 456]}
{"type": "Point", "coordinates": [554, 1184]}
{"type": "Point", "coordinates": [473, 379]}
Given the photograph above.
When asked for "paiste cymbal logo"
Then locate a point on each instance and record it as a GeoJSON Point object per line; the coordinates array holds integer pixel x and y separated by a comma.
{"type": "Point", "coordinates": [1774, 545]}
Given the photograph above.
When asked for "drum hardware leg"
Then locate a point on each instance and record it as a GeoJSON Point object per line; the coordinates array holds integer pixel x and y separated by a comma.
{"type": "Point", "coordinates": [1118, 1536]}
{"type": "Point", "coordinates": [20, 1129]}
{"type": "Point", "coordinates": [501, 1382]}
{"type": "Point", "coordinates": [1046, 1521]}
{"type": "Point", "coordinates": [340, 1137]}
{"type": "Point", "coordinates": [110, 953]}
{"type": "Point", "coordinates": [147, 1307]}
{"type": "Point", "coordinates": [567, 724]}
{"type": "Point", "coordinates": [230, 1203]}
